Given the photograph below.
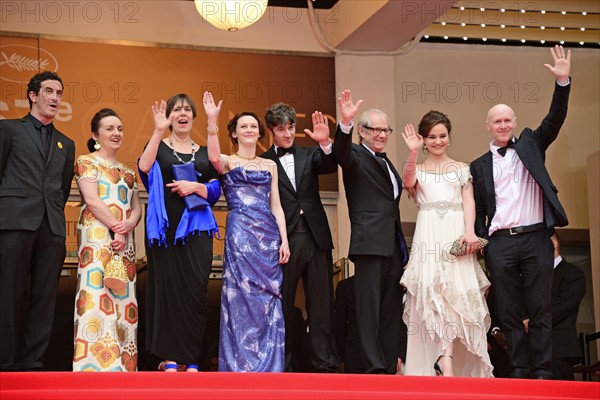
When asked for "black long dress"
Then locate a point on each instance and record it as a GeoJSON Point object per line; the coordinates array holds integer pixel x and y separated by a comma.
{"type": "Point", "coordinates": [178, 275]}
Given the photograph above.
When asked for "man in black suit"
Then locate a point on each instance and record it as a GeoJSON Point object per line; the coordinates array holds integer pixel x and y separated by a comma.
{"type": "Point", "coordinates": [350, 352]}
{"type": "Point", "coordinates": [568, 289]}
{"type": "Point", "coordinates": [308, 230]}
{"type": "Point", "coordinates": [516, 206]}
{"type": "Point", "coordinates": [36, 168]}
{"type": "Point", "coordinates": [377, 245]}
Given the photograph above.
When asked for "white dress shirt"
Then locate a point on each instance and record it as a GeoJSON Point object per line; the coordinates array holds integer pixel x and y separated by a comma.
{"type": "Point", "coordinates": [519, 199]}
{"type": "Point", "coordinates": [289, 166]}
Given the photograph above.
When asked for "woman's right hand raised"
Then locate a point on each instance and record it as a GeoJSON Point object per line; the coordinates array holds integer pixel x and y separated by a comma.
{"type": "Point", "coordinates": [413, 141]}
{"type": "Point", "coordinates": [159, 111]}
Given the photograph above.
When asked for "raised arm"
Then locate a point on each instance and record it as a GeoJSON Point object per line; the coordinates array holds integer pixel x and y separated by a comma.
{"type": "Point", "coordinates": [212, 111]}
{"type": "Point", "coordinates": [324, 161]}
{"type": "Point", "coordinates": [161, 123]}
{"type": "Point", "coordinates": [550, 126]}
{"type": "Point", "coordinates": [320, 131]}
{"type": "Point", "coordinates": [348, 108]}
{"type": "Point", "coordinates": [414, 142]}
{"type": "Point", "coordinates": [343, 144]}
{"type": "Point", "coordinates": [562, 64]}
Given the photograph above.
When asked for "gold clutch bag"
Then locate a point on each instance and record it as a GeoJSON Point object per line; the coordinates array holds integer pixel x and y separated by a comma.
{"type": "Point", "coordinates": [115, 274]}
{"type": "Point", "coordinates": [458, 250]}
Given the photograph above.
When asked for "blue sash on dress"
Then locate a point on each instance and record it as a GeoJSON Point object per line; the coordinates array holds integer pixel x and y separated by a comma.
{"type": "Point", "coordinates": [191, 223]}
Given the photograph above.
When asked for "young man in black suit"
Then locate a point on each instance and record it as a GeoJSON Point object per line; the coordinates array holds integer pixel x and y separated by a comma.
{"type": "Point", "coordinates": [568, 289]}
{"type": "Point", "coordinates": [377, 245]}
{"type": "Point", "coordinates": [308, 230]}
{"type": "Point", "coordinates": [36, 169]}
{"type": "Point", "coordinates": [516, 206]}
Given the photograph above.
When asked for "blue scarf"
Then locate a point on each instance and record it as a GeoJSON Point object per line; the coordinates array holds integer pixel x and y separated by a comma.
{"type": "Point", "coordinates": [191, 223]}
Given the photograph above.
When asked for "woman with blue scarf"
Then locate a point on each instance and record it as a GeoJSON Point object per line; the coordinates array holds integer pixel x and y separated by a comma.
{"type": "Point", "coordinates": [180, 227]}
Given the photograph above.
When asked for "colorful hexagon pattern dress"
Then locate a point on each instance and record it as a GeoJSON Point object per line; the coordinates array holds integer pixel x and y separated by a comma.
{"type": "Point", "coordinates": [105, 321]}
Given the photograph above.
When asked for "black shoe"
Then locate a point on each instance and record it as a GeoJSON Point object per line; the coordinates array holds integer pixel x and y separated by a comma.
{"type": "Point", "coordinates": [436, 366]}
{"type": "Point", "coordinates": [542, 377]}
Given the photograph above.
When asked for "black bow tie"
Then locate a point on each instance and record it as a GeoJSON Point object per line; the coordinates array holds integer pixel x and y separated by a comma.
{"type": "Point", "coordinates": [382, 155]}
{"type": "Point", "coordinates": [509, 145]}
{"type": "Point", "coordinates": [282, 152]}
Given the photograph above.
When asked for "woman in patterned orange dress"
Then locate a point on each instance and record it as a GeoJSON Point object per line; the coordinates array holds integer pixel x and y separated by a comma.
{"type": "Point", "coordinates": [105, 320]}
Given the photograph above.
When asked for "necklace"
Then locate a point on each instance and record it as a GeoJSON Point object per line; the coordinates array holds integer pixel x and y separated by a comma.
{"type": "Point", "coordinates": [177, 155]}
{"type": "Point", "coordinates": [245, 158]}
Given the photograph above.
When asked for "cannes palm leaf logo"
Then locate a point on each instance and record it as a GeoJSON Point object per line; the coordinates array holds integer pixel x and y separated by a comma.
{"type": "Point", "coordinates": [23, 63]}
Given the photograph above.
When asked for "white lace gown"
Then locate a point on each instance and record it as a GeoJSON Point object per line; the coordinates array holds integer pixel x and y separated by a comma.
{"type": "Point", "coordinates": [445, 294]}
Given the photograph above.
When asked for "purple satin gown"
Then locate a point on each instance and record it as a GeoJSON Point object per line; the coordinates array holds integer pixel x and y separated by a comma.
{"type": "Point", "coordinates": [252, 331]}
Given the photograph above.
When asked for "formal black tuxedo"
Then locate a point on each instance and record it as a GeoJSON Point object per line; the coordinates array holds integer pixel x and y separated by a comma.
{"type": "Point", "coordinates": [521, 265]}
{"type": "Point", "coordinates": [310, 246]}
{"type": "Point", "coordinates": [568, 289]}
{"type": "Point", "coordinates": [377, 248]}
{"type": "Point", "coordinates": [373, 210]}
{"type": "Point", "coordinates": [34, 188]}
{"type": "Point", "coordinates": [346, 328]}
{"type": "Point", "coordinates": [309, 163]}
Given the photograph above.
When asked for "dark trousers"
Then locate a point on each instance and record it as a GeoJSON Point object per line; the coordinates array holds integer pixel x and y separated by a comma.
{"type": "Point", "coordinates": [379, 310]}
{"type": "Point", "coordinates": [521, 268]}
{"type": "Point", "coordinates": [30, 265]}
{"type": "Point", "coordinates": [562, 368]}
{"type": "Point", "coordinates": [315, 267]}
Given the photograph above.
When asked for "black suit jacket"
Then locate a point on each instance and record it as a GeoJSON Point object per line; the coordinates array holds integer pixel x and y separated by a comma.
{"type": "Point", "coordinates": [309, 163]}
{"type": "Point", "coordinates": [531, 148]}
{"type": "Point", "coordinates": [374, 212]}
{"type": "Point", "coordinates": [568, 289]}
{"type": "Point", "coordinates": [32, 184]}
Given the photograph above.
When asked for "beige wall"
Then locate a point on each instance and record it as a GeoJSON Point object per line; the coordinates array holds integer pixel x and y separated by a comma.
{"type": "Point", "coordinates": [405, 86]}
{"type": "Point", "coordinates": [461, 80]}
{"type": "Point", "coordinates": [173, 22]}
{"type": "Point", "coordinates": [593, 162]}
{"type": "Point", "coordinates": [370, 79]}
{"type": "Point", "coordinates": [464, 81]}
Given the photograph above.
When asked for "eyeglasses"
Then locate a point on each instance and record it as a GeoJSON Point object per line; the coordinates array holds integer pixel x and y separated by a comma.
{"type": "Point", "coordinates": [379, 131]}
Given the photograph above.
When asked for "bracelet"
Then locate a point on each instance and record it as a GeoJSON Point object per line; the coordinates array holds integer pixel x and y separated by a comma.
{"type": "Point", "coordinates": [213, 131]}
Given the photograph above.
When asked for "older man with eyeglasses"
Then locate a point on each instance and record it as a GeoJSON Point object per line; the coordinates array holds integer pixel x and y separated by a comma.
{"type": "Point", "coordinates": [377, 245]}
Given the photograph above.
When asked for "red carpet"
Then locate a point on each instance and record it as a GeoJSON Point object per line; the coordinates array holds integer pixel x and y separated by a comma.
{"type": "Point", "coordinates": [219, 385]}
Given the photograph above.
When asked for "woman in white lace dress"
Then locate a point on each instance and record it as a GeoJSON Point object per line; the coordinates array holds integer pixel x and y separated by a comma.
{"type": "Point", "coordinates": [445, 311]}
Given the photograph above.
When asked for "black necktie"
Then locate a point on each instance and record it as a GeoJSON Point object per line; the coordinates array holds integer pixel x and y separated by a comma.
{"type": "Point", "coordinates": [509, 145]}
{"type": "Point", "coordinates": [45, 139]}
{"type": "Point", "coordinates": [282, 152]}
{"type": "Point", "coordinates": [382, 155]}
